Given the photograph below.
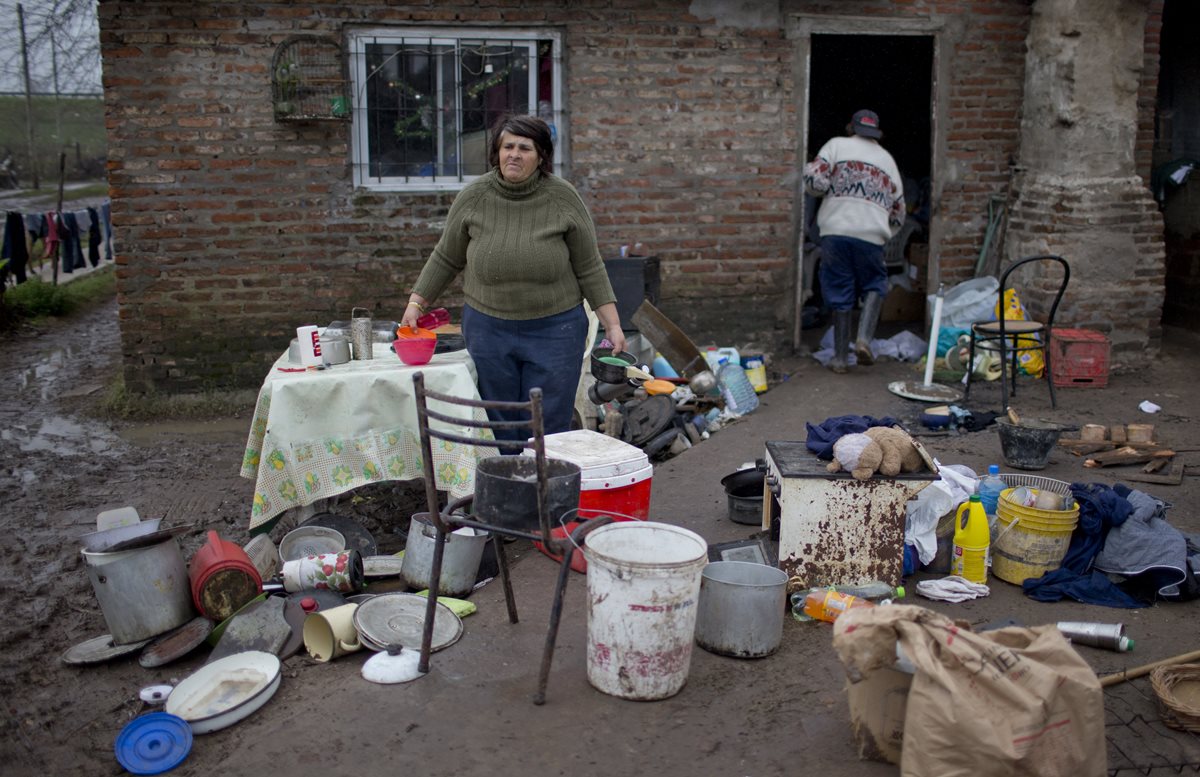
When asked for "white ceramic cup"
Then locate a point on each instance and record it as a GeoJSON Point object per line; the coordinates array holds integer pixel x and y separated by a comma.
{"type": "Point", "coordinates": [329, 634]}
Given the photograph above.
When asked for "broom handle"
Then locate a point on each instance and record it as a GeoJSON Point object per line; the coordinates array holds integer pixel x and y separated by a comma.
{"type": "Point", "coordinates": [931, 355]}
{"type": "Point", "coordinates": [1138, 671]}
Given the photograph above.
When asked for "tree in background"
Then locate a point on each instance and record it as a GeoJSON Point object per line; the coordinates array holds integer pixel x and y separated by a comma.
{"type": "Point", "coordinates": [62, 49]}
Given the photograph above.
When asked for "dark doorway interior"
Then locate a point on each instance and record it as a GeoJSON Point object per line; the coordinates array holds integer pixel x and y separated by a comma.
{"type": "Point", "coordinates": [893, 76]}
{"type": "Point", "coordinates": [1176, 177]}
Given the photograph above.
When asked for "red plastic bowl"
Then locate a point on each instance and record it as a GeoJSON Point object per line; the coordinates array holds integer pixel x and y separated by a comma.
{"type": "Point", "coordinates": [415, 352]}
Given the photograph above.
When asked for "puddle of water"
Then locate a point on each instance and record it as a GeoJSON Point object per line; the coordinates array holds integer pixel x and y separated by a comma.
{"type": "Point", "coordinates": [63, 436]}
{"type": "Point", "coordinates": [45, 374]}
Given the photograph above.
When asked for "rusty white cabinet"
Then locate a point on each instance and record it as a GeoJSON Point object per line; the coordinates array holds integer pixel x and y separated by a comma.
{"type": "Point", "coordinates": [833, 528]}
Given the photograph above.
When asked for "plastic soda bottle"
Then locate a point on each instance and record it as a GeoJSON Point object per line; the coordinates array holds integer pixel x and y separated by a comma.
{"type": "Point", "coordinates": [989, 489]}
{"type": "Point", "coordinates": [971, 541]}
{"type": "Point", "coordinates": [876, 591]}
{"type": "Point", "coordinates": [827, 604]}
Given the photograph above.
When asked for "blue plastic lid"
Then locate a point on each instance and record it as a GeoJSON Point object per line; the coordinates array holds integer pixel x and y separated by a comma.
{"type": "Point", "coordinates": [993, 469]}
{"type": "Point", "coordinates": [153, 743]}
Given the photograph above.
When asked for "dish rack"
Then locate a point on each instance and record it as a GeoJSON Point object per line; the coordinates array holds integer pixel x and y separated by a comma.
{"type": "Point", "coordinates": [1040, 482]}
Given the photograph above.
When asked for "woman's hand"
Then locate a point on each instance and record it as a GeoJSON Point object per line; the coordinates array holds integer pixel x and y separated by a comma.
{"type": "Point", "coordinates": [611, 322]}
{"type": "Point", "coordinates": [414, 310]}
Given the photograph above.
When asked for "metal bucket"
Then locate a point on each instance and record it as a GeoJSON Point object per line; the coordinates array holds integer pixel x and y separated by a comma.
{"type": "Point", "coordinates": [1028, 445]}
{"type": "Point", "coordinates": [506, 491]}
{"type": "Point", "coordinates": [741, 609]}
{"type": "Point", "coordinates": [143, 592]}
{"type": "Point", "coordinates": [460, 559]}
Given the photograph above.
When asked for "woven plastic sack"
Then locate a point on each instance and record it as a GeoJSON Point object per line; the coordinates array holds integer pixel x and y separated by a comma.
{"type": "Point", "coordinates": [1031, 362]}
{"type": "Point", "coordinates": [969, 302]}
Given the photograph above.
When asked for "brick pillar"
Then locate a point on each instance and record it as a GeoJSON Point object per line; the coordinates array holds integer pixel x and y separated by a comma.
{"type": "Point", "coordinates": [1077, 192]}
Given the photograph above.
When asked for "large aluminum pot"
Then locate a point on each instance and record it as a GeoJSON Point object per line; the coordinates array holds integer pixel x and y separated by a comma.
{"type": "Point", "coordinates": [143, 592]}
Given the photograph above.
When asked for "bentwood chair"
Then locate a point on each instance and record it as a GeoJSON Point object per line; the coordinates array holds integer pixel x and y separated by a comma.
{"type": "Point", "coordinates": [1010, 338]}
{"type": "Point", "coordinates": [449, 519]}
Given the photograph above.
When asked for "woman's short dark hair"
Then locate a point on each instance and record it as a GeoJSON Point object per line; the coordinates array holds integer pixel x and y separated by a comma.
{"type": "Point", "coordinates": [527, 127]}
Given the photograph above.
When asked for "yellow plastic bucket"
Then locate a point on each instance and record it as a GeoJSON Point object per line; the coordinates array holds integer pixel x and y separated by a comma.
{"type": "Point", "coordinates": [1029, 541]}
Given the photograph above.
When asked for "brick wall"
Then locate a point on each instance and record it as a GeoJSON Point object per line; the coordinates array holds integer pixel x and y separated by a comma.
{"type": "Point", "coordinates": [236, 228]}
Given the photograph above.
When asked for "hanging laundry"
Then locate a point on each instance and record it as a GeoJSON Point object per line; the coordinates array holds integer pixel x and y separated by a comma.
{"type": "Point", "coordinates": [51, 241]}
{"type": "Point", "coordinates": [35, 225]}
{"type": "Point", "coordinates": [106, 216]}
{"type": "Point", "coordinates": [15, 250]}
{"type": "Point", "coordinates": [72, 251]}
{"type": "Point", "coordinates": [93, 237]}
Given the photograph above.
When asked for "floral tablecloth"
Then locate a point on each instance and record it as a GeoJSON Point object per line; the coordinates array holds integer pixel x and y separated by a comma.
{"type": "Point", "coordinates": [320, 433]}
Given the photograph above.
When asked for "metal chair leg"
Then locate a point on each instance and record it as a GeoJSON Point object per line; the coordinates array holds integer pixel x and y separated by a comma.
{"type": "Point", "coordinates": [970, 365]}
{"type": "Point", "coordinates": [435, 579]}
{"type": "Point", "coordinates": [505, 580]}
{"type": "Point", "coordinates": [564, 575]}
{"type": "Point", "coordinates": [1048, 372]}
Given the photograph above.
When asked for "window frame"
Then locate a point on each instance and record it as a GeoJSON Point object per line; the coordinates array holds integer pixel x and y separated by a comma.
{"type": "Point", "coordinates": [357, 41]}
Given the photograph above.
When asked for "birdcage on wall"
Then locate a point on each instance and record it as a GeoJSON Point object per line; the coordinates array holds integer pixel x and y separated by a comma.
{"type": "Point", "coordinates": [308, 81]}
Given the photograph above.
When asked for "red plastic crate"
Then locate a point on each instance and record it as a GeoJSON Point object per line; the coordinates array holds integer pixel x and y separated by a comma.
{"type": "Point", "coordinates": [1079, 358]}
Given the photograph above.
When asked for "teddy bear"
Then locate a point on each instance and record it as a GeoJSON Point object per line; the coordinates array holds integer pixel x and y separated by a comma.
{"type": "Point", "coordinates": [887, 450]}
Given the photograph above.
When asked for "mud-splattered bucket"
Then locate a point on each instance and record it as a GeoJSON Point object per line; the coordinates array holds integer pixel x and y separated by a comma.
{"type": "Point", "coordinates": [643, 586]}
{"type": "Point", "coordinates": [1027, 445]}
{"type": "Point", "coordinates": [1029, 542]}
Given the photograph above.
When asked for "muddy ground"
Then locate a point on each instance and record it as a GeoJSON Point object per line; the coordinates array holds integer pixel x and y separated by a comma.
{"type": "Point", "coordinates": [785, 714]}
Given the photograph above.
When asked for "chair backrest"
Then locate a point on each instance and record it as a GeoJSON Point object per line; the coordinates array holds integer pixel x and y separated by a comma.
{"type": "Point", "coordinates": [1062, 287]}
{"type": "Point", "coordinates": [535, 425]}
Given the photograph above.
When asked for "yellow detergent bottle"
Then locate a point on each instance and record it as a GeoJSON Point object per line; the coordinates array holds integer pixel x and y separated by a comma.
{"type": "Point", "coordinates": [971, 539]}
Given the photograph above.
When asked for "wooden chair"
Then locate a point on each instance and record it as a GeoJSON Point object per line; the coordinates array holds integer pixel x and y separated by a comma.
{"type": "Point", "coordinates": [447, 520]}
{"type": "Point", "coordinates": [995, 336]}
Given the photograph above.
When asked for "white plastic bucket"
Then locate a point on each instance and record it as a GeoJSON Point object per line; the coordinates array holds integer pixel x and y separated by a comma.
{"type": "Point", "coordinates": [643, 585]}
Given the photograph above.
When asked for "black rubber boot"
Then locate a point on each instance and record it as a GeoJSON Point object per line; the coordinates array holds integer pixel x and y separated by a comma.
{"type": "Point", "coordinates": [867, 320]}
{"type": "Point", "coordinates": [841, 340]}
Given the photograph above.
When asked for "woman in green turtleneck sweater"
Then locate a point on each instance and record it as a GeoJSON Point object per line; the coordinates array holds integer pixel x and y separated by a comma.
{"type": "Point", "coordinates": [526, 247]}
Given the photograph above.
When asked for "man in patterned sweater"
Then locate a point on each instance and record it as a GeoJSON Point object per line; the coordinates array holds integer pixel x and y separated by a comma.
{"type": "Point", "coordinates": [862, 207]}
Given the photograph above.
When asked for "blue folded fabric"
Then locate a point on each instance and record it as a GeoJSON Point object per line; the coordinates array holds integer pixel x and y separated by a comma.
{"type": "Point", "coordinates": [822, 437]}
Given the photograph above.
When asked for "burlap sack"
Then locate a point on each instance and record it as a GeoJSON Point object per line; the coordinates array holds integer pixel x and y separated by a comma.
{"type": "Point", "coordinates": [1015, 701]}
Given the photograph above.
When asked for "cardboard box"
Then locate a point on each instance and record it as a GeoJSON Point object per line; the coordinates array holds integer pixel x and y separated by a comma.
{"type": "Point", "coordinates": [903, 305]}
{"type": "Point", "coordinates": [878, 704]}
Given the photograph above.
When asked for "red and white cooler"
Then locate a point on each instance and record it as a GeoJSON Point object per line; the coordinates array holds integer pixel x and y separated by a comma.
{"type": "Point", "coordinates": [615, 478]}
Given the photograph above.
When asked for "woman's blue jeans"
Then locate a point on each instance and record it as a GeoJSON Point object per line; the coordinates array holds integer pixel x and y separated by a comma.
{"type": "Point", "coordinates": [512, 357]}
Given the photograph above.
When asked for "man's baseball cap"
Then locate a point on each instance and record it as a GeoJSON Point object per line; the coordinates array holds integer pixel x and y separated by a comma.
{"type": "Point", "coordinates": [866, 123]}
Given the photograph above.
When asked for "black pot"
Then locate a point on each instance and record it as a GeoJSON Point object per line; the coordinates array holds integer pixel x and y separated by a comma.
{"type": "Point", "coordinates": [744, 494]}
{"type": "Point", "coordinates": [506, 491]}
{"type": "Point", "coordinates": [610, 373]}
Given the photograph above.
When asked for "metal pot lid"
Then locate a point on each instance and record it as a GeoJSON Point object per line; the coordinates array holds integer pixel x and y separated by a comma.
{"type": "Point", "coordinates": [326, 599]}
{"type": "Point", "coordinates": [382, 566]}
{"type": "Point", "coordinates": [97, 650]}
{"type": "Point", "coordinates": [357, 537]}
{"type": "Point", "coordinates": [146, 540]}
{"type": "Point", "coordinates": [388, 620]}
{"type": "Point", "coordinates": [176, 644]}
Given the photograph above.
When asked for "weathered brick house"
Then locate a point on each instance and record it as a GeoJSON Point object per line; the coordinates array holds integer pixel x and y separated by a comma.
{"type": "Point", "coordinates": [255, 191]}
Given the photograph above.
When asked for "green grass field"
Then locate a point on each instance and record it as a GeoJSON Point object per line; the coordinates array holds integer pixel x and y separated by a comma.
{"type": "Point", "coordinates": [80, 120]}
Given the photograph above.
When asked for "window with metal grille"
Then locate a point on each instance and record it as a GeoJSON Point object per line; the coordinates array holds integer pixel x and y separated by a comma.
{"type": "Point", "coordinates": [425, 100]}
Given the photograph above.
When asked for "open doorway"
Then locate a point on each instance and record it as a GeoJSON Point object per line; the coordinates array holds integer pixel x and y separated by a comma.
{"type": "Point", "coordinates": [893, 76]}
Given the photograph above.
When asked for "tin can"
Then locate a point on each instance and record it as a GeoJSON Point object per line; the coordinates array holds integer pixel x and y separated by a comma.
{"type": "Point", "coordinates": [360, 334]}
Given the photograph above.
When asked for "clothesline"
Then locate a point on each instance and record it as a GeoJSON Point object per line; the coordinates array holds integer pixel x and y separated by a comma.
{"type": "Point", "coordinates": [23, 230]}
